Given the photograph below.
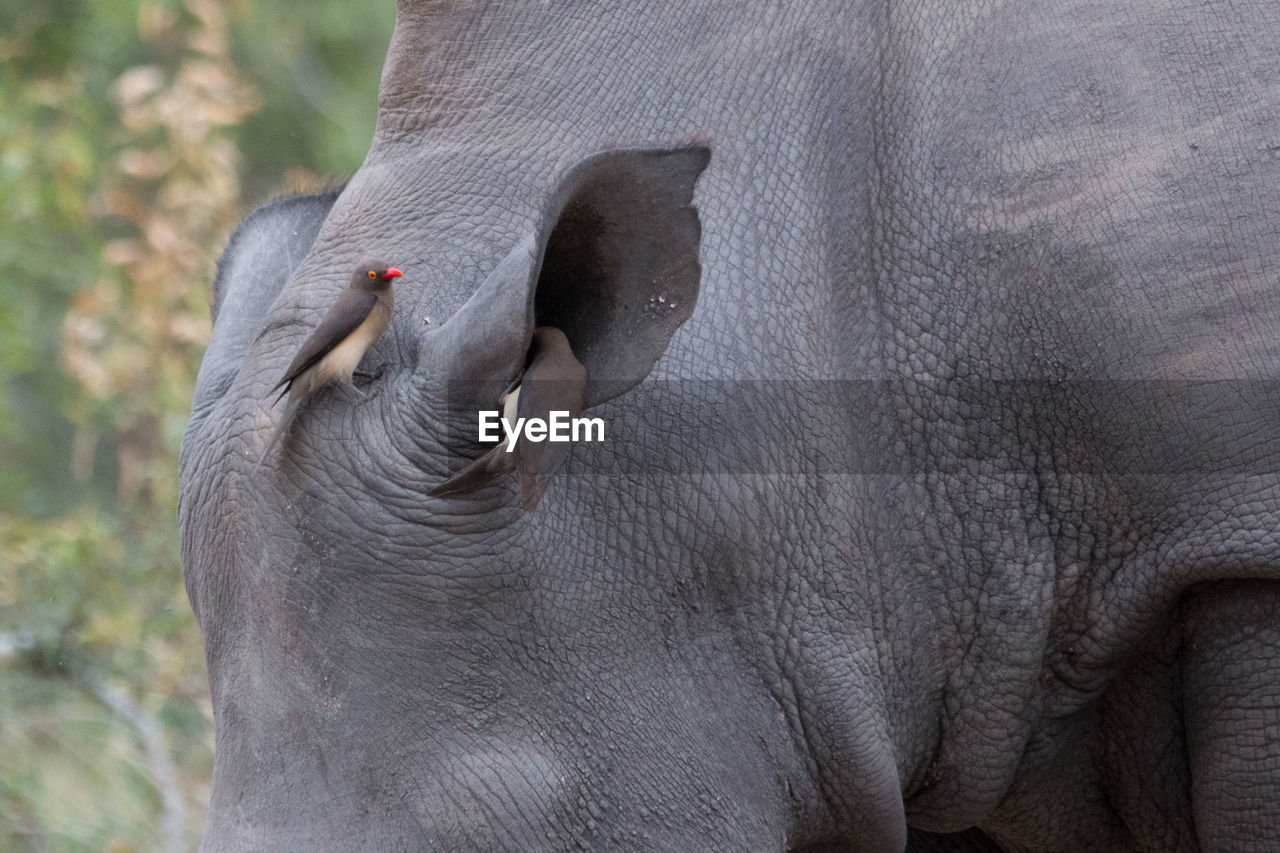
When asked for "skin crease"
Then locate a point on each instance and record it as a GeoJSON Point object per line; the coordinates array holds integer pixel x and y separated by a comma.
{"type": "Point", "coordinates": [992, 581]}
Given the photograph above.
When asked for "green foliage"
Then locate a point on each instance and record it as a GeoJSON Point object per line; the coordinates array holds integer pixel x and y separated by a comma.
{"type": "Point", "coordinates": [133, 136]}
{"type": "Point", "coordinates": [318, 76]}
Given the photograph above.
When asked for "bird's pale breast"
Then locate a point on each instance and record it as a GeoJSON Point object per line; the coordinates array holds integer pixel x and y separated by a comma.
{"type": "Point", "coordinates": [342, 360]}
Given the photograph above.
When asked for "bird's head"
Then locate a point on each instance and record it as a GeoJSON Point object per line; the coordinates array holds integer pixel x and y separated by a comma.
{"type": "Point", "coordinates": [373, 274]}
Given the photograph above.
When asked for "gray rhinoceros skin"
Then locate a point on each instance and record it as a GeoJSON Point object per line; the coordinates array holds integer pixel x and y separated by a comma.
{"type": "Point", "coordinates": [938, 506]}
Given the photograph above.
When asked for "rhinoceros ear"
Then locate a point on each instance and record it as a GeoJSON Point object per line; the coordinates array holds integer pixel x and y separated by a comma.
{"type": "Point", "coordinates": [613, 264]}
{"type": "Point", "coordinates": [620, 270]}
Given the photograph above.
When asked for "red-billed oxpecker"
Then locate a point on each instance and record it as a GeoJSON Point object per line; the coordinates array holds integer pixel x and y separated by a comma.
{"type": "Point", "coordinates": [335, 348]}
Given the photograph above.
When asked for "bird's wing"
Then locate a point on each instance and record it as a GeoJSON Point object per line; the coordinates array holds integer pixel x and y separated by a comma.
{"type": "Point", "coordinates": [555, 382]}
{"type": "Point", "coordinates": [491, 465]}
{"type": "Point", "coordinates": [478, 474]}
{"type": "Point", "coordinates": [351, 309]}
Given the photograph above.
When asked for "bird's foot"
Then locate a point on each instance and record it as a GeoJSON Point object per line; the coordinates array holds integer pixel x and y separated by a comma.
{"type": "Point", "coordinates": [364, 377]}
{"type": "Point", "coordinates": [361, 378]}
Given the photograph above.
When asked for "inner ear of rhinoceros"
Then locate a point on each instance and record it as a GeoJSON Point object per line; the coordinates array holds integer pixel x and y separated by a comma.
{"type": "Point", "coordinates": [620, 266]}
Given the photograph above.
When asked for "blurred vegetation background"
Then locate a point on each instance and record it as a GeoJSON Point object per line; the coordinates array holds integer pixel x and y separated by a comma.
{"type": "Point", "coordinates": [134, 135]}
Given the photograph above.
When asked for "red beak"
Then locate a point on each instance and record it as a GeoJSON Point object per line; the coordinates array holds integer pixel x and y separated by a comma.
{"type": "Point", "coordinates": [392, 272]}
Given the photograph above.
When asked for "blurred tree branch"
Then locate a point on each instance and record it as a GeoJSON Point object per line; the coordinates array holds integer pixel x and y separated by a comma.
{"type": "Point", "coordinates": [134, 336]}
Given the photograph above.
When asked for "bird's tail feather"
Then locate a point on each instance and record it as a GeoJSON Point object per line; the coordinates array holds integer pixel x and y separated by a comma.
{"type": "Point", "coordinates": [475, 476]}
{"type": "Point", "coordinates": [295, 401]}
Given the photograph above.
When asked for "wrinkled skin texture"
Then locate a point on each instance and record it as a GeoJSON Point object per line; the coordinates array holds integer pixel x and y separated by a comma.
{"type": "Point", "coordinates": [1026, 584]}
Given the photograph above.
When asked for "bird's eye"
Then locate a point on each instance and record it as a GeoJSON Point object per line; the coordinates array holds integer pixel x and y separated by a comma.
{"type": "Point", "coordinates": [372, 274]}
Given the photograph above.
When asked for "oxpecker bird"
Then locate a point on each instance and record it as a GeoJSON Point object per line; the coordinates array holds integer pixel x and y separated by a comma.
{"type": "Point", "coordinates": [346, 333]}
{"type": "Point", "coordinates": [554, 381]}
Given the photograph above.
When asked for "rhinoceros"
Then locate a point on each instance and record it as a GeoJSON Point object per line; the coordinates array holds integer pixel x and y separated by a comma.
{"type": "Point", "coordinates": [938, 496]}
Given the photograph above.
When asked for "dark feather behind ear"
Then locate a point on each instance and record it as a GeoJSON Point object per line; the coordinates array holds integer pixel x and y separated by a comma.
{"type": "Point", "coordinates": [554, 382]}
